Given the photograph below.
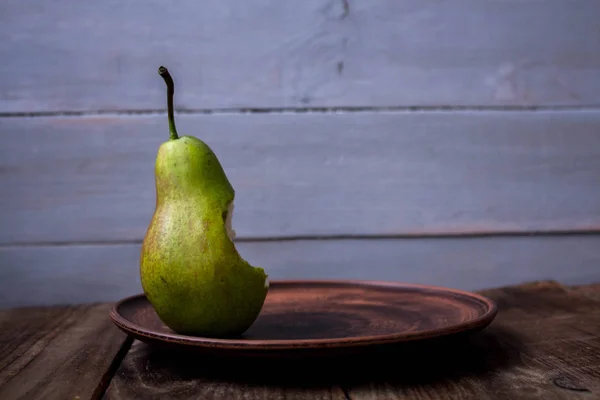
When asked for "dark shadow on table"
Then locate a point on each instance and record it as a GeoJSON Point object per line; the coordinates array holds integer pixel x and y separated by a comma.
{"type": "Point", "coordinates": [413, 363]}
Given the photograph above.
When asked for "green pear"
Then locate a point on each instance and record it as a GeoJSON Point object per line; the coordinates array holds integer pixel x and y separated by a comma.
{"type": "Point", "coordinates": [190, 270]}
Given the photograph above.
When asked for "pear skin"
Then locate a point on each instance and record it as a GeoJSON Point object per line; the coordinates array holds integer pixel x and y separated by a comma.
{"type": "Point", "coordinates": [190, 270]}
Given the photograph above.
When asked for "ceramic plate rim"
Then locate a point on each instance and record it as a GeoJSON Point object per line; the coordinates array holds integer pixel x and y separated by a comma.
{"type": "Point", "coordinates": [479, 322]}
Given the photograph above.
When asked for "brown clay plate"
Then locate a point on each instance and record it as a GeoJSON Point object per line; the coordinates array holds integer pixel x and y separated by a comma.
{"type": "Point", "coordinates": [327, 315]}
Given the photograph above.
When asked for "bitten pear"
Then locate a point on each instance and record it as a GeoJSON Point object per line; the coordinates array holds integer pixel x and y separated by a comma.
{"type": "Point", "coordinates": [190, 270]}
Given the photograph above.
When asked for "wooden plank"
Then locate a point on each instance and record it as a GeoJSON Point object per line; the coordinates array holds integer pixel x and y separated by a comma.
{"type": "Point", "coordinates": [74, 274]}
{"type": "Point", "coordinates": [394, 173]}
{"type": "Point", "coordinates": [544, 343]}
{"type": "Point", "coordinates": [58, 353]}
{"type": "Point", "coordinates": [149, 374]}
{"type": "Point", "coordinates": [316, 53]}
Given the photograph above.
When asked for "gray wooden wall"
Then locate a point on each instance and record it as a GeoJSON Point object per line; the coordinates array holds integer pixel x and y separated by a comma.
{"type": "Point", "coordinates": [453, 143]}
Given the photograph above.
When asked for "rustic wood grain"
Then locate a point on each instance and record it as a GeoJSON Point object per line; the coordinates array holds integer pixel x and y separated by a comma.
{"type": "Point", "coordinates": [268, 53]}
{"type": "Point", "coordinates": [92, 179]}
{"type": "Point", "coordinates": [149, 374]}
{"type": "Point", "coordinates": [74, 274]}
{"type": "Point", "coordinates": [57, 353]}
{"type": "Point", "coordinates": [543, 344]}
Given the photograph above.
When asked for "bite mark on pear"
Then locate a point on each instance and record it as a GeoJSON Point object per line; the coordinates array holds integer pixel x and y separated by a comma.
{"type": "Point", "coordinates": [228, 228]}
{"type": "Point", "coordinates": [231, 232]}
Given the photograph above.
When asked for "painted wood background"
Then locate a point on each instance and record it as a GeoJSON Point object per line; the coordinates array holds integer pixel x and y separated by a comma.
{"type": "Point", "coordinates": [446, 142]}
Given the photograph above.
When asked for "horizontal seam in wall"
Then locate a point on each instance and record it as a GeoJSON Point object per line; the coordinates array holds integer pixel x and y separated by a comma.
{"type": "Point", "coordinates": [264, 239]}
{"type": "Point", "coordinates": [299, 110]}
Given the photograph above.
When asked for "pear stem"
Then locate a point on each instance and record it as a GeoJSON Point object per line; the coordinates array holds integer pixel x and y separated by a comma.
{"type": "Point", "coordinates": [162, 71]}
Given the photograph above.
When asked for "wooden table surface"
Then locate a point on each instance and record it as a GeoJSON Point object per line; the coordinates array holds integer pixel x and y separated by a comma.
{"type": "Point", "coordinates": [544, 343]}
